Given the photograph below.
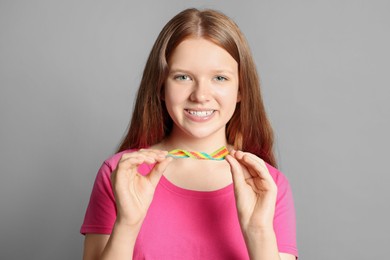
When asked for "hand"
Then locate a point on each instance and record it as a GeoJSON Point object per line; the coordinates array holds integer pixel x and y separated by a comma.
{"type": "Point", "coordinates": [133, 191]}
{"type": "Point", "coordinates": [254, 189]}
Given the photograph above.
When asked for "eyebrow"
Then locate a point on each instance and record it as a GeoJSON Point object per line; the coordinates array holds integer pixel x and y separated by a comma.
{"type": "Point", "coordinates": [217, 71]}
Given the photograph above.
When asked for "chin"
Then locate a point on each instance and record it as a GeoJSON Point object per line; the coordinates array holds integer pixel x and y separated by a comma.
{"type": "Point", "coordinates": [204, 133]}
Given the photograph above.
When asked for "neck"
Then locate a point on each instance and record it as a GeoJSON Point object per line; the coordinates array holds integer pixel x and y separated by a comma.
{"type": "Point", "coordinates": [208, 144]}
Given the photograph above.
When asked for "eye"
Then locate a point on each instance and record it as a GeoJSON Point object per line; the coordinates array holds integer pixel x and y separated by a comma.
{"type": "Point", "coordinates": [182, 77]}
{"type": "Point", "coordinates": [220, 78]}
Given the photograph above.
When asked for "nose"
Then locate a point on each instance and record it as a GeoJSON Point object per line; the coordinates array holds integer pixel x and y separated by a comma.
{"type": "Point", "coordinates": [201, 92]}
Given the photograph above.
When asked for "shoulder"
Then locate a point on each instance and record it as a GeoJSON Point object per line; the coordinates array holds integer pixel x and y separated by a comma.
{"type": "Point", "coordinates": [284, 217]}
{"type": "Point", "coordinates": [114, 159]}
{"type": "Point", "coordinates": [279, 178]}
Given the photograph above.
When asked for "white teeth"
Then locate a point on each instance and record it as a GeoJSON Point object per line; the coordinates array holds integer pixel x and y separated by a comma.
{"type": "Point", "coordinates": [200, 113]}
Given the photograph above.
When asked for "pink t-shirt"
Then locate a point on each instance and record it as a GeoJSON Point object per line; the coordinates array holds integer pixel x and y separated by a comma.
{"type": "Point", "coordinates": [188, 224]}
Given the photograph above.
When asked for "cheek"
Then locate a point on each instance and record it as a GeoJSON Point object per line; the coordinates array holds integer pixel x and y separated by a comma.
{"type": "Point", "coordinates": [168, 96]}
{"type": "Point", "coordinates": [229, 95]}
{"type": "Point", "coordinates": [172, 99]}
{"type": "Point", "coordinates": [177, 94]}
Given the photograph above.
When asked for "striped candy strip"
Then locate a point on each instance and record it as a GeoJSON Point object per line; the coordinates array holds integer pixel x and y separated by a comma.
{"type": "Point", "coordinates": [219, 154]}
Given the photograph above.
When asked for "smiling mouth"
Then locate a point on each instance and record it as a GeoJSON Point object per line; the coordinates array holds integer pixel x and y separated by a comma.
{"type": "Point", "coordinates": [202, 113]}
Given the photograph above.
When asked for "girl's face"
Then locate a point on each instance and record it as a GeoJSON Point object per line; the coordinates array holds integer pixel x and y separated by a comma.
{"type": "Point", "coordinates": [201, 90]}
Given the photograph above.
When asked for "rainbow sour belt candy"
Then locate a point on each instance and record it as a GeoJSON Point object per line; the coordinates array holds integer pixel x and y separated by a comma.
{"type": "Point", "coordinates": [219, 154]}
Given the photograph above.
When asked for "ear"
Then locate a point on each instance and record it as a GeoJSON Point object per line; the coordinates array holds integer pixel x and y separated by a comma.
{"type": "Point", "coordinates": [238, 96]}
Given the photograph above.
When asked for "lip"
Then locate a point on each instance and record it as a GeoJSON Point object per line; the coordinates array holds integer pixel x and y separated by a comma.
{"type": "Point", "coordinates": [199, 115]}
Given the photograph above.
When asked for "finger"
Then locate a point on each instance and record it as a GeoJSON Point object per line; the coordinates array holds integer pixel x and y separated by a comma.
{"type": "Point", "coordinates": [150, 149]}
{"type": "Point", "coordinates": [143, 152]}
{"type": "Point", "coordinates": [255, 165]}
{"type": "Point", "coordinates": [236, 170]}
{"type": "Point", "coordinates": [238, 156]}
{"type": "Point", "coordinates": [257, 168]}
{"type": "Point", "coordinates": [232, 152]}
{"type": "Point", "coordinates": [129, 163]}
{"type": "Point", "coordinates": [158, 170]}
{"type": "Point", "coordinates": [128, 160]}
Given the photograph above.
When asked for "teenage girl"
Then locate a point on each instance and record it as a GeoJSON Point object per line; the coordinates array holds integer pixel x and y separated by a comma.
{"type": "Point", "coordinates": [199, 92]}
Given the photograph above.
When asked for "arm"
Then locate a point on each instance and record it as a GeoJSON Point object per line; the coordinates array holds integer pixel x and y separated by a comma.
{"type": "Point", "coordinates": [133, 196]}
{"type": "Point", "coordinates": [94, 245]}
{"type": "Point", "coordinates": [255, 193]}
{"type": "Point", "coordinates": [118, 245]}
{"type": "Point", "coordinates": [262, 245]}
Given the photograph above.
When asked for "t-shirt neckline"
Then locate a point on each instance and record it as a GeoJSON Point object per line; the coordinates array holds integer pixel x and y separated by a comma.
{"type": "Point", "coordinates": [195, 193]}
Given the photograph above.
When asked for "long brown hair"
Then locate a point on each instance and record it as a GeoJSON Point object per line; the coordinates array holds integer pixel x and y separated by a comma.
{"type": "Point", "coordinates": [249, 128]}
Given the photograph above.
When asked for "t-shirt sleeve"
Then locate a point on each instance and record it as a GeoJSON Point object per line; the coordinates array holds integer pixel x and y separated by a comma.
{"type": "Point", "coordinates": [284, 218]}
{"type": "Point", "coordinates": [101, 211]}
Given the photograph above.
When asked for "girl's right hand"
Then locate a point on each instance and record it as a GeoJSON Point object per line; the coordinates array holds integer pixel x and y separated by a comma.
{"type": "Point", "coordinates": [133, 191]}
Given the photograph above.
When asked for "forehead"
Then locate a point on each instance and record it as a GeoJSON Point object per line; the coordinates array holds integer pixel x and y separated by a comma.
{"type": "Point", "coordinates": [200, 53]}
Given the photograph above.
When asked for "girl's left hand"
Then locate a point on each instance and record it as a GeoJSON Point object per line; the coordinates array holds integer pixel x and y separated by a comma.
{"type": "Point", "coordinates": [255, 191]}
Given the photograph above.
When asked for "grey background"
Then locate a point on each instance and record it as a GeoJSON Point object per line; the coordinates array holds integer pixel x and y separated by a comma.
{"type": "Point", "coordinates": [69, 71]}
